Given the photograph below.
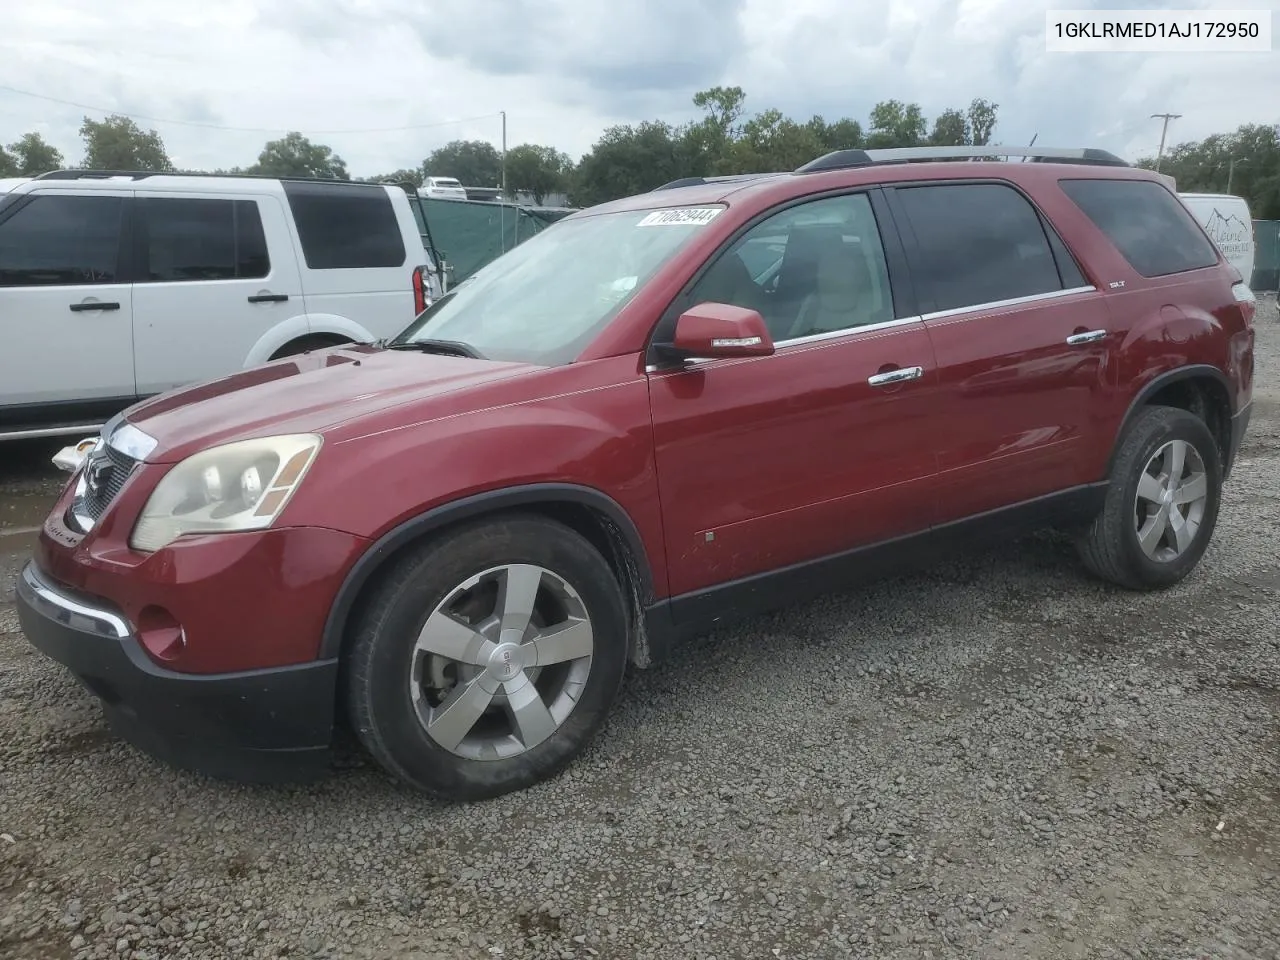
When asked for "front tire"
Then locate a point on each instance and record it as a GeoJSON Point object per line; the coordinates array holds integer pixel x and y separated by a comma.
{"type": "Point", "coordinates": [486, 661]}
{"type": "Point", "coordinates": [1162, 505]}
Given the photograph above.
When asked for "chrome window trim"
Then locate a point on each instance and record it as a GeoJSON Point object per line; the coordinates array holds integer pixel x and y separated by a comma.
{"type": "Point", "coordinates": [794, 341]}
{"type": "Point", "coordinates": [1014, 302]}
{"type": "Point", "coordinates": [890, 324]}
{"type": "Point", "coordinates": [47, 600]}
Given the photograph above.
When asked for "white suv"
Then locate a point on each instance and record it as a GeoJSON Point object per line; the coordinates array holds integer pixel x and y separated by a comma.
{"type": "Point", "coordinates": [119, 286]}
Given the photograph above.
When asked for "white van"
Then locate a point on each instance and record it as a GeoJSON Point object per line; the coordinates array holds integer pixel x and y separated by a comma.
{"type": "Point", "coordinates": [1227, 221]}
{"type": "Point", "coordinates": [444, 188]}
{"type": "Point", "coordinates": [119, 286]}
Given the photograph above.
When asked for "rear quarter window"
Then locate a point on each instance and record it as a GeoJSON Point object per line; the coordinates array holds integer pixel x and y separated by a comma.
{"type": "Point", "coordinates": [345, 226]}
{"type": "Point", "coordinates": [1148, 225]}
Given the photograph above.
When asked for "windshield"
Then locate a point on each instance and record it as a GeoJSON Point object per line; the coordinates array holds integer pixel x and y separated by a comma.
{"type": "Point", "coordinates": [543, 301]}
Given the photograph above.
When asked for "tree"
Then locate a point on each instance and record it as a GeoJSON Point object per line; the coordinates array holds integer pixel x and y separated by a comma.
{"type": "Point", "coordinates": [413, 176]}
{"type": "Point", "coordinates": [982, 121]}
{"type": "Point", "coordinates": [1248, 158]}
{"type": "Point", "coordinates": [629, 159]}
{"type": "Point", "coordinates": [896, 124]}
{"type": "Point", "coordinates": [844, 134]}
{"type": "Point", "coordinates": [537, 170]}
{"type": "Point", "coordinates": [32, 156]}
{"type": "Point", "coordinates": [771, 142]}
{"type": "Point", "coordinates": [474, 163]}
{"type": "Point", "coordinates": [8, 165]}
{"type": "Point", "coordinates": [117, 143]}
{"type": "Point", "coordinates": [706, 145]}
{"type": "Point", "coordinates": [950, 129]}
{"type": "Point", "coordinates": [293, 155]}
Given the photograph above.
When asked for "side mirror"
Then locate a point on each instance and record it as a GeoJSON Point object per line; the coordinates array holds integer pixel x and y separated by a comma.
{"type": "Point", "coordinates": [720, 330]}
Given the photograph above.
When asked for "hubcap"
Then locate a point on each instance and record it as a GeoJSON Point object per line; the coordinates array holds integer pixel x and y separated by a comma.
{"type": "Point", "coordinates": [500, 664]}
{"type": "Point", "coordinates": [1169, 507]}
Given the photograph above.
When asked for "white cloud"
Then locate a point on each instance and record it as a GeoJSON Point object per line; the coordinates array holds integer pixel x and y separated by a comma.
{"type": "Point", "coordinates": [565, 69]}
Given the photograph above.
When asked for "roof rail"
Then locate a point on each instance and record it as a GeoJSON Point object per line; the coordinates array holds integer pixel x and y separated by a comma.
{"type": "Point", "coordinates": [843, 159]}
{"type": "Point", "coordinates": [699, 181]}
{"type": "Point", "coordinates": [144, 174]}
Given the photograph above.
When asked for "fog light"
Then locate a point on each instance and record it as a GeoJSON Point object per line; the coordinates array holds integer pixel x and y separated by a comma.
{"type": "Point", "coordinates": [160, 633]}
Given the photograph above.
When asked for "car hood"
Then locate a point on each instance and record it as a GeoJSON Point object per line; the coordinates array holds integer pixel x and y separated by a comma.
{"type": "Point", "coordinates": [311, 393]}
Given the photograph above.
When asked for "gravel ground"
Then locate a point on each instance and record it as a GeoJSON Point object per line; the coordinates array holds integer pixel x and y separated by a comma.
{"type": "Point", "coordinates": [997, 758]}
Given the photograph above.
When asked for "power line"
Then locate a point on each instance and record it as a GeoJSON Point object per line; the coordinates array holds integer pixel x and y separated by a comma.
{"type": "Point", "coordinates": [219, 126]}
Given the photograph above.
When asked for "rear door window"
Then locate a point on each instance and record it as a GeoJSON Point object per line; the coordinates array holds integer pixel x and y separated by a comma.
{"type": "Point", "coordinates": [186, 239]}
{"type": "Point", "coordinates": [978, 244]}
{"type": "Point", "coordinates": [61, 239]}
{"type": "Point", "coordinates": [345, 226]}
{"type": "Point", "coordinates": [1148, 225]}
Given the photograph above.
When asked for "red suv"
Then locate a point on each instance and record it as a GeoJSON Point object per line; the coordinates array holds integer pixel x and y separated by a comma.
{"type": "Point", "coordinates": [714, 398]}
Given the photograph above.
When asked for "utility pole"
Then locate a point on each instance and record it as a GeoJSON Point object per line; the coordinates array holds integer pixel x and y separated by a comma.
{"type": "Point", "coordinates": [1166, 117]}
{"type": "Point", "coordinates": [504, 155]}
{"type": "Point", "coordinates": [1231, 171]}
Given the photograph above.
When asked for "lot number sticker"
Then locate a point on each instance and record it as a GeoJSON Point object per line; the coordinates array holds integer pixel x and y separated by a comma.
{"type": "Point", "coordinates": [686, 216]}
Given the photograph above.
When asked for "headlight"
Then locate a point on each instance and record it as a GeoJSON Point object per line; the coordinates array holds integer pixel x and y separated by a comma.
{"type": "Point", "coordinates": [237, 486]}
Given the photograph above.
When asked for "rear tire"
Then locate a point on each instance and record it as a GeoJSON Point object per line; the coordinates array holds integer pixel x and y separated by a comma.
{"type": "Point", "coordinates": [485, 661]}
{"type": "Point", "coordinates": [1162, 506]}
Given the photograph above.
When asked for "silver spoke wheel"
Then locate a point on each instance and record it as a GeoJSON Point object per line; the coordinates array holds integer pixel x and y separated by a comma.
{"type": "Point", "coordinates": [500, 664]}
{"type": "Point", "coordinates": [1170, 504]}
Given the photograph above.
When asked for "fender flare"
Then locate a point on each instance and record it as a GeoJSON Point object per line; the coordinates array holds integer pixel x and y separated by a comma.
{"type": "Point", "coordinates": [303, 325]}
{"type": "Point", "coordinates": [477, 505]}
{"type": "Point", "coordinates": [1158, 383]}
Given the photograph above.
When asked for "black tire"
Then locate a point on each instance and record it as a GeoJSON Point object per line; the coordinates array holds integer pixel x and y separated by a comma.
{"type": "Point", "coordinates": [1109, 547]}
{"type": "Point", "coordinates": [307, 344]}
{"type": "Point", "coordinates": [379, 661]}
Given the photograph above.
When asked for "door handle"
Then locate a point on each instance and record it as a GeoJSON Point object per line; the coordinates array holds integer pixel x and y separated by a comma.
{"type": "Point", "coordinates": [97, 305]}
{"type": "Point", "coordinates": [896, 376]}
{"type": "Point", "coordinates": [1092, 336]}
{"type": "Point", "coordinates": [269, 298]}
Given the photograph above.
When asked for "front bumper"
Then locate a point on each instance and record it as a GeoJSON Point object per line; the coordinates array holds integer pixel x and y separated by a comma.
{"type": "Point", "coordinates": [262, 725]}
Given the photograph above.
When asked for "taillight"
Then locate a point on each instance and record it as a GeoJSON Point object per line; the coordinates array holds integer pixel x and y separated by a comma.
{"type": "Point", "coordinates": [419, 290]}
{"type": "Point", "coordinates": [1248, 302]}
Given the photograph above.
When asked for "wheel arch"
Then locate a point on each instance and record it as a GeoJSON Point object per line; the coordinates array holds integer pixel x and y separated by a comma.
{"type": "Point", "coordinates": [585, 510]}
{"type": "Point", "coordinates": [300, 327]}
{"type": "Point", "coordinates": [1201, 389]}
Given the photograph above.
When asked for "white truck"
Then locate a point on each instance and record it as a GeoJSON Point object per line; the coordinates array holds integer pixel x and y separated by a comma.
{"type": "Point", "coordinates": [1227, 221]}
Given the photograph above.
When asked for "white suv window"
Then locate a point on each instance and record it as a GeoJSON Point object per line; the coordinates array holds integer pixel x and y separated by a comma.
{"type": "Point", "coordinates": [61, 240]}
{"type": "Point", "coordinates": [345, 226]}
{"type": "Point", "coordinates": [190, 239]}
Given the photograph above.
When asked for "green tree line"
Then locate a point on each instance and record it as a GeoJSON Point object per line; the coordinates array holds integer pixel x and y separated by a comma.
{"type": "Point", "coordinates": [626, 159]}
{"type": "Point", "coordinates": [1245, 163]}
{"type": "Point", "coordinates": [633, 158]}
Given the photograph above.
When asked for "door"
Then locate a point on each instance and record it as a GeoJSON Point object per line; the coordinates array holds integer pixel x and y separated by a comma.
{"type": "Point", "coordinates": [210, 284]}
{"type": "Point", "coordinates": [66, 313]}
{"type": "Point", "coordinates": [823, 446]}
{"type": "Point", "coordinates": [1021, 341]}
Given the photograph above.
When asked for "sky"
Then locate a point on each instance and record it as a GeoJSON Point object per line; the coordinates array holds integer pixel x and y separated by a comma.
{"type": "Point", "coordinates": [384, 82]}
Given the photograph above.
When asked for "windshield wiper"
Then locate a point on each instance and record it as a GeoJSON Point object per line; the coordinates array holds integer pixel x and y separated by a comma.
{"type": "Point", "coordinates": [448, 348]}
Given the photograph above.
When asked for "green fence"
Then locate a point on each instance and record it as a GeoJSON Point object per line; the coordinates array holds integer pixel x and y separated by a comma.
{"type": "Point", "coordinates": [468, 234]}
{"type": "Point", "coordinates": [1266, 257]}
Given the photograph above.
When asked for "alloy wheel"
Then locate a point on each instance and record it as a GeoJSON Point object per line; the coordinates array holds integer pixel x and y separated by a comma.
{"type": "Point", "coordinates": [1170, 503]}
{"type": "Point", "coordinates": [501, 663]}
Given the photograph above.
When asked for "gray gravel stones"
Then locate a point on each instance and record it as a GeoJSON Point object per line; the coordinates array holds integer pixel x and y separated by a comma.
{"type": "Point", "coordinates": [996, 757]}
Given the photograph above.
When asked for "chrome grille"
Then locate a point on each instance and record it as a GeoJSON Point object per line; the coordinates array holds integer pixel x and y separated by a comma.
{"type": "Point", "coordinates": [102, 478]}
{"type": "Point", "coordinates": [112, 469]}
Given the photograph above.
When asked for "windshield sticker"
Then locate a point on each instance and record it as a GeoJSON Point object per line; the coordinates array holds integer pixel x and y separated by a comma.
{"type": "Point", "coordinates": [685, 216]}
